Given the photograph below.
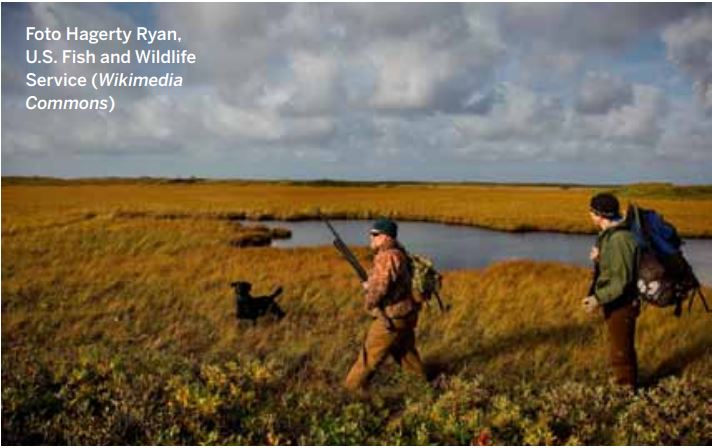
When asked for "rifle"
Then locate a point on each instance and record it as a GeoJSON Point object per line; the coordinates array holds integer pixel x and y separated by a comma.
{"type": "Point", "coordinates": [360, 271]}
{"type": "Point", "coordinates": [346, 252]}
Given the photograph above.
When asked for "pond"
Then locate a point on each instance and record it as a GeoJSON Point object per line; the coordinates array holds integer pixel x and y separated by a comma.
{"type": "Point", "coordinates": [462, 247]}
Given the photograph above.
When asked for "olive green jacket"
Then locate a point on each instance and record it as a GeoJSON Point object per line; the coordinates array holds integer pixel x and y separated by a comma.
{"type": "Point", "coordinates": [617, 261]}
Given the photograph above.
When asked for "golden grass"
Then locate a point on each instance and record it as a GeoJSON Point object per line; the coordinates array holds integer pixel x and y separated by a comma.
{"type": "Point", "coordinates": [145, 269]}
{"type": "Point", "coordinates": [163, 284]}
{"type": "Point", "coordinates": [512, 208]}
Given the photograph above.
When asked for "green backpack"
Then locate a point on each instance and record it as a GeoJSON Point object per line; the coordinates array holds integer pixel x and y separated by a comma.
{"type": "Point", "coordinates": [426, 280]}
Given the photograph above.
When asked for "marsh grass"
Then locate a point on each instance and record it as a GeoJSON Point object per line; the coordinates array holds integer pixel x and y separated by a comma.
{"type": "Point", "coordinates": [664, 191]}
{"type": "Point", "coordinates": [118, 328]}
{"type": "Point", "coordinates": [501, 207]}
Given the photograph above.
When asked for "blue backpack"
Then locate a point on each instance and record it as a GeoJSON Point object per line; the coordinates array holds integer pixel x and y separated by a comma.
{"type": "Point", "coordinates": [665, 278]}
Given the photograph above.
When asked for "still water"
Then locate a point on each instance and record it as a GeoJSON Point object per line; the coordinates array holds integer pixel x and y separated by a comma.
{"type": "Point", "coordinates": [458, 247]}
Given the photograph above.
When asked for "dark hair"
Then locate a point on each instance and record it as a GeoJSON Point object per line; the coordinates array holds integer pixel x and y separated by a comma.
{"type": "Point", "coordinates": [606, 205]}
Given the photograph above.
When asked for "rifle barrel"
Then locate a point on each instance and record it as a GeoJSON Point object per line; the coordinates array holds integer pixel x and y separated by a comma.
{"type": "Point", "coordinates": [346, 252]}
{"type": "Point", "coordinates": [352, 260]}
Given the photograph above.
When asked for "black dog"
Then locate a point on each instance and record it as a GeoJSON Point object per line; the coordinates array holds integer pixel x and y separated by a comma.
{"type": "Point", "coordinates": [251, 308]}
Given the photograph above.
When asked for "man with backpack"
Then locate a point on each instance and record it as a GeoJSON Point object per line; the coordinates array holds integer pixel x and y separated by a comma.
{"type": "Point", "coordinates": [389, 299]}
{"type": "Point", "coordinates": [614, 287]}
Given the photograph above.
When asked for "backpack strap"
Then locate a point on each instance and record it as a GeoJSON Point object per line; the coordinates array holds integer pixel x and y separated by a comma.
{"type": "Point", "coordinates": [640, 226]}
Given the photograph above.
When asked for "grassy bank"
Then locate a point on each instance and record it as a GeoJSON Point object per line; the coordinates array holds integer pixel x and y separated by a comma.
{"type": "Point", "coordinates": [501, 207]}
{"type": "Point", "coordinates": [118, 328]}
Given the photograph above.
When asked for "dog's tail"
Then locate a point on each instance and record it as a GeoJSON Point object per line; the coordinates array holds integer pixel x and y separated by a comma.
{"type": "Point", "coordinates": [276, 293]}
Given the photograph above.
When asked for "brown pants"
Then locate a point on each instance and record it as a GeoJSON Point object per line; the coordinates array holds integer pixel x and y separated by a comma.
{"type": "Point", "coordinates": [379, 343]}
{"type": "Point", "coordinates": [620, 321]}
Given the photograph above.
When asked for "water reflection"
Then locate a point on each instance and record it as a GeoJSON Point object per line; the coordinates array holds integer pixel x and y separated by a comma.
{"type": "Point", "coordinates": [458, 247]}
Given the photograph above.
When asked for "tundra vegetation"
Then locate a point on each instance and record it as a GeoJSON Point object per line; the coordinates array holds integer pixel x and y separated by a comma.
{"type": "Point", "coordinates": [118, 323]}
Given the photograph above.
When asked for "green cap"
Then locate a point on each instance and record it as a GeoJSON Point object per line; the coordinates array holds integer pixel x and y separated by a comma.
{"type": "Point", "coordinates": [386, 226]}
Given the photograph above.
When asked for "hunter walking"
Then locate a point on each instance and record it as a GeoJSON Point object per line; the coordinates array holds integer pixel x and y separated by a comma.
{"type": "Point", "coordinates": [614, 289]}
{"type": "Point", "coordinates": [389, 300]}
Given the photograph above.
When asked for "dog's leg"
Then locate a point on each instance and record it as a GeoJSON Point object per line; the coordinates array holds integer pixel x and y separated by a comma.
{"type": "Point", "coordinates": [277, 311]}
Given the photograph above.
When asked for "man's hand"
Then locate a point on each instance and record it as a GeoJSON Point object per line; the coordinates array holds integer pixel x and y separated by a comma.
{"type": "Point", "coordinates": [364, 285]}
{"type": "Point", "coordinates": [380, 314]}
{"type": "Point", "coordinates": [594, 254]}
{"type": "Point", "coordinates": [590, 304]}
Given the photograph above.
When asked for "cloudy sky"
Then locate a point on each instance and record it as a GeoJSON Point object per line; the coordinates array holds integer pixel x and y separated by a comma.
{"type": "Point", "coordinates": [589, 93]}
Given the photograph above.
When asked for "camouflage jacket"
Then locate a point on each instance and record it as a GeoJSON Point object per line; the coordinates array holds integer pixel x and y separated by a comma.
{"type": "Point", "coordinates": [389, 283]}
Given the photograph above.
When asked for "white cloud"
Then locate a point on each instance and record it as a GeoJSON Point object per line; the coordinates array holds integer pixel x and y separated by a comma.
{"type": "Point", "coordinates": [311, 58]}
{"type": "Point", "coordinates": [518, 114]}
{"type": "Point", "coordinates": [593, 27]}
{"type": "Point", "coordinates": [599, 93]}
{"type": "Point", "coordinates": [522, 123]}
{"type": "Point", "coordinates": [689, 45]}
{"type": "Point", "coordinates": [688, 134]}
{"type": "Point", "coordinates": [639, 122]}
{"type": "Point", "coordinates": [361, 84]}
{"type": "Point", "coordinates": [562, 38]}
{"type": "Point", "coordinates": [407, 74]}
